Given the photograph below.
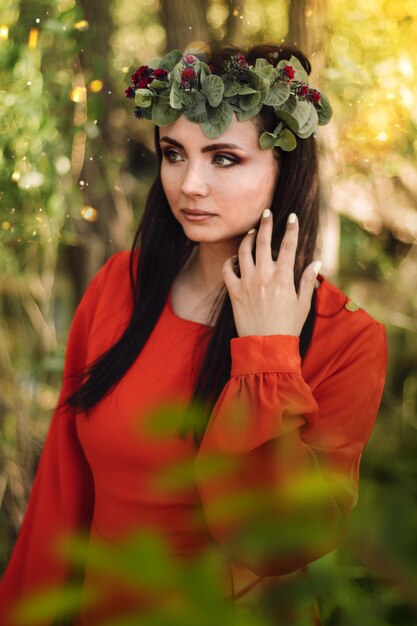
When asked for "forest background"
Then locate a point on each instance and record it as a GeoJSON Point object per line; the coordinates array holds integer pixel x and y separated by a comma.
{"type": "Point", "coordinates": [75, 167]}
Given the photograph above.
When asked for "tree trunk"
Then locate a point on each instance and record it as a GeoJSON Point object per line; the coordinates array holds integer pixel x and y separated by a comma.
{"type": "Point", "coordinates": [100, 173]}
{"type": "Point", "coordinates": [233, 24]}
{"type": "Point", "coordinates": [297, 23]}
{"type": "Point", "coordinates": [185, 21]}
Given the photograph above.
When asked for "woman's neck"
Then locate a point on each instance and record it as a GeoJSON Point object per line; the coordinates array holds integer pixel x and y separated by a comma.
{"type": "Point", "coordinates": [203, 269]}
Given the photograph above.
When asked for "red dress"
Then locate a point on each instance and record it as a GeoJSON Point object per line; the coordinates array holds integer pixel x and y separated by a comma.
{"type": "Point", "coordinates": [275, 417]}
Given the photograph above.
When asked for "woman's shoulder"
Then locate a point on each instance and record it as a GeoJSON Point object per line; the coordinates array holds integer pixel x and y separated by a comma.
{"type": "Point", "coordinates": [333, 302]}
{"type": "Point", "coordinates": [115, 272]}
{"type": "Point", "coordinates": [346, 333]}
{"type": "Point", "coordinates": [110, 284]}
{"type": "Point", "coordinates": [118, 262]}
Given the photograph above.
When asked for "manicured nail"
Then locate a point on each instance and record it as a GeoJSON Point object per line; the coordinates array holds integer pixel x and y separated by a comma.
{"type": "Point", "coordinates": [316, 267]}
{"type": "Point", "coordinates": [251, 231]}
{"type": "Point", "coordinates": [291, 218]}
{"type": "Point", "coordinates": [266, 213]}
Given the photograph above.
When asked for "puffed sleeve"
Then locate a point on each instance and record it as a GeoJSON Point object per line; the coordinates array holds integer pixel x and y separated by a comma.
{"type": "Point", "coordinates": [62, 495]}
{"type": "Point", "coordinates": [279, 463]}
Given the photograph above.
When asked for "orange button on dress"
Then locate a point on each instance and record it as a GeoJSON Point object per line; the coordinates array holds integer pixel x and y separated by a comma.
{"type": "Point", "coordinates": [98, 471]}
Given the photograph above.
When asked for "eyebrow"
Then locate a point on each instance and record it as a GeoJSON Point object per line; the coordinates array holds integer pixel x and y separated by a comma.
{"type": "Point", "coordinates": [210, 148]}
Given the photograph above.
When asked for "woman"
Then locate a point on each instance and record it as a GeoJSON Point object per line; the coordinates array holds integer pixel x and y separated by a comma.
{"type": "Point", "coordinates": [220, 310]}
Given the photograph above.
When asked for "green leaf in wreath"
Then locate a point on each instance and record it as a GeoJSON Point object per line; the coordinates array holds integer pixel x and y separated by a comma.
{"type": "Point", "coordinates": [197, 113]}
{"type": "Point", "coordinates": [263, 67]}
{"type": "Point", "coordinates": [249, 102]}
{"type": "Point", "coordinates": [218, 121]}
{"type": "Point", "coordinates": [212, 86]}
{"type": "Point", "coordinates": [247, 115]}
{"type": "Point", "coordinates": [278, 93]}
{"type": "Point", "coordinates": [311, 124]}
{"type": "Point", "coordinates": [143, 97]}
{"type": "Point", "coordinates": [189, 98]}
{"type": "Point", "coordinates": [267, 140]}
{"type": "Point", "coordinates": [215, 114]}
{"type": "Point", "coordinates": [176, 74]}
{"type": "Point", "coordinates": [290, 104]}
{"type": "Point", "coordinates": [287, 141]}
{"type": "Point", "coordinates": [325, 110]}
{"type": "Point", "coordinates": [244, 90]}
{"type": "Point", "coordinates": [260, 63]}
{"type": "Point", "coordinates": [288, 118]}
{"type": "Point", "coordinates": [259, 82]}
{"type": "Point", "coordinates": [162, 112]}
{"type": "Point", "coordinates": [274, 76]}
{"type": "Point", "coordinates": [231, 88]}
{"type": "Point", "coordinates": [205, 68]}
{"type": "Point", "coordinates": [169, 61]}
{"type": "Point", "coordinates": [302, 112]}
{"type": "Point", "coordinates": [157, 85]}
{"type": "Point", "coordinates": [176, 97]}
{"type": "Point", "coordinates": [297, 118]}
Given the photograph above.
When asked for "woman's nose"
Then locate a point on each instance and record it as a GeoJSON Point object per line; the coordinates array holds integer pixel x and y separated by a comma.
{"type": "Point", "coordinates": [194, 182]}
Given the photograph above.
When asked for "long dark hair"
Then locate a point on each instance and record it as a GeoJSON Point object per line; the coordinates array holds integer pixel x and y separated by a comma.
{"type": "Point", "coordinates": [160, 249]}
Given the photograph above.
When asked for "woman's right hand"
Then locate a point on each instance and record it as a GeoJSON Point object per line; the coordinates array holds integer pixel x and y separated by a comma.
{"type": "Point", "coordinates": [264, 298]}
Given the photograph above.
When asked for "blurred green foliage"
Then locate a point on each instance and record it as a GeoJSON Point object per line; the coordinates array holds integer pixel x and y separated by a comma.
{"type": "Point", "coordinates": [36, 128]}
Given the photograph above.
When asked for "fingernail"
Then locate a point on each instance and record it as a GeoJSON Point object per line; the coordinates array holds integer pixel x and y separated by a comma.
{"type": "Point", "coordinates": [291, 218]}
{"type": "Point", "coordinates": [266, 213]}
{"type": "Point", "coordinates": [251, 231]}
{"type": "Point", "coordinates": [316, 267]}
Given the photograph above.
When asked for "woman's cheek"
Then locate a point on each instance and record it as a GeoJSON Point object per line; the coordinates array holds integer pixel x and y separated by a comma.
{"type": "Point", "coordinates": [169, 186]}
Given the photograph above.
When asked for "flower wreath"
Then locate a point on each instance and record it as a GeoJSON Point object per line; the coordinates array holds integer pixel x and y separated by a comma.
{"type": "Point", "coordinates": [177, 84]}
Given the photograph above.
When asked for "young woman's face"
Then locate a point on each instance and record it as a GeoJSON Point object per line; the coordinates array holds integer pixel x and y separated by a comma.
{"type": "Point", "coordinates": [235, 183]}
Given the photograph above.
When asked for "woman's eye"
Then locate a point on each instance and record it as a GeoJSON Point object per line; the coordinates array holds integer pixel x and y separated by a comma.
{"type": "Point", "coordinates": [218, 159]}
{"type": "Point", "coordinates": [171, 153]}
{"type": "Point", "coordinates": [229, 158]}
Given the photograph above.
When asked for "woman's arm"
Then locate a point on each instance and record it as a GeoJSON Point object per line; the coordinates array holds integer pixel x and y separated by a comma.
{"type": "Point", "coordinates": [278, 466]}
{"type": "Point", "coordinates": [62, 496]}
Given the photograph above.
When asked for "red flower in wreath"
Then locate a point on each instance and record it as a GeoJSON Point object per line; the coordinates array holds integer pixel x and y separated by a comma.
{"type": "Point", "coordinates": [241, 61]}
{"type": "Point", "coordinates": [315, 95]}
{"type": "Point", "coordinates": [143, 72]}
{"type": "Point", "coordinates": [188, 73]}
{"type": "Point", "coordinates": [143, 83]}
{"type": "Point", "coordinates": [160, 74]}
{"type": "Point", "coordinates": [289, 71]}
{"type": "Point", "coordinates": [190, 58]}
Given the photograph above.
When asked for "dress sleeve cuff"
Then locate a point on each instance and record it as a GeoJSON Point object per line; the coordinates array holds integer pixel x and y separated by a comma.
{"type": "Point", "coordinates": [253, 354]}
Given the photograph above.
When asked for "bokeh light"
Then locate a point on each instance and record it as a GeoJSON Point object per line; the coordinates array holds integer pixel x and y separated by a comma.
{"type": "Point", "coordinates": [82, 25]}
{"type": "Point", "coordinates": [96, 85]}
{"type": "Point", "coordinates": [33, 38]}
{"type": "Point", "coordinates": [78, 95]}
{"type": "Point", "coordinates": [89, 213]}
{"type": "Point", "coordinates": [4, 32]}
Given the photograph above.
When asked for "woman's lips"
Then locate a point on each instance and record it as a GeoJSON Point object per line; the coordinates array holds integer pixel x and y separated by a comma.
{"type": "Point", "coordinates": [191, 216]}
